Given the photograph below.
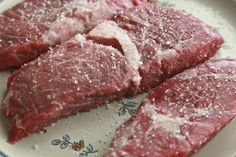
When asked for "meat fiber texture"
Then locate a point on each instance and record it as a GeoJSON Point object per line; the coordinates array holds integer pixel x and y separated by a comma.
{"type": "Point", "coordinates": [76, 77]}
{"type": "Point", "coordinates": [181, 115]}
{"type": "Point", "coordinates": [166, 41]}
{"type": "Point", "coordinates": [32, 26]}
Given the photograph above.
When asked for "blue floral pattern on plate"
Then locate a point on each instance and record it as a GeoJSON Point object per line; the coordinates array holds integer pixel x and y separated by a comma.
{"type": "Point", "coordinates": [1, 153]}
{"type": "Point", "coordinates": [127, 107]}
{"type": "Point", "coordinates": [65, 143]}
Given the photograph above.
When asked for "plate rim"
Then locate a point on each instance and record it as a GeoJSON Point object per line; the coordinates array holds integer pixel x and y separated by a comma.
{"type": "Point", "coordinates": [2, 153]}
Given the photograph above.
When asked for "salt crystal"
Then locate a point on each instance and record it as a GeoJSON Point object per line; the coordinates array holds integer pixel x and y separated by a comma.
{"type": "Point", "coordinates": [168, 42]}
{"type": "Point", "coordinates": [108, 106]}
{"type": "Point", "coordinates": [49, 97]}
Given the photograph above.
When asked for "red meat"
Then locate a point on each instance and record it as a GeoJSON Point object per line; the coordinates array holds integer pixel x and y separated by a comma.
{"type": "Point", "coordinates": [181, 115]}
{"type": "Point", "coordinates": [28, 100]}
{"type": "Point", "coordinates": [31, 27]}
{"type": "Point", "coordinates": [167, 40]}
{"type": "Point", "coordinates": [71, 78]}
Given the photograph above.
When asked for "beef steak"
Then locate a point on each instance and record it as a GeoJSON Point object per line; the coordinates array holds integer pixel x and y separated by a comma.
{"type": "Point", "coordinates": [36, 91]}
{"type": "Point", "coordinates": [77, 76]}
{"type": "Point", "coordinates": [32, 26]}
{"type": "Point", "coordinates": [167, 41]}
{"type": "Point", "coordinates": [181, 115]}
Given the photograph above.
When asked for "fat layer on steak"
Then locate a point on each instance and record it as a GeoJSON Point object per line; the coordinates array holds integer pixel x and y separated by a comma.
{"type": "Point", "coordinates": [165, 41]}
{"type": "Point", "coordinates": [80, 75]}
{"type": "Point", "coordinates": [180, 116]}
{"type": "Point", "coordinates": [31, 27]}
{"type": "Point", "coordinates": [76, 76]}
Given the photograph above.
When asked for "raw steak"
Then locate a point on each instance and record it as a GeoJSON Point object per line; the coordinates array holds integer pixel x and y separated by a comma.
{"type": "Point", "coordinates": [166, 41]}
{"type": "Point", "coordinates": [181, 115]}
{"type": "Point", "coordinates": [77, 76]}
{"type": "Point", "coordinates": [30, 92]}
{"type": "Point", "coordinates": [31, 27]}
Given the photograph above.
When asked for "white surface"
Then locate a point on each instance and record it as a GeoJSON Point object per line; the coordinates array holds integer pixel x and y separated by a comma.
{"type": "Point", "coordinates": [97, 127]}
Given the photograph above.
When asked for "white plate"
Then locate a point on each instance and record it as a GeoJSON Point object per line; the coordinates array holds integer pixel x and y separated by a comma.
{"type": "Point", "coordinates": [96, 128]}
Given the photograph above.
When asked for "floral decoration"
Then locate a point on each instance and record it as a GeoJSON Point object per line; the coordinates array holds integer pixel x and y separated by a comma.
{"type": "Point", "coordinates": [79, 146]}
{"type": "Point", "coordinates": [127, 107]}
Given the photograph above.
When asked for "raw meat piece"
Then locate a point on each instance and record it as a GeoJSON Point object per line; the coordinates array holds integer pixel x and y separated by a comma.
{"type": "Point", "coordinates": [77, 76]}
{"type": "Point", "coordinates": [168, 41]}
{"type": "Point", "coordinates": [108, 31]}
{"type": "Point", "coordinates": [31, 27]}
{"type": "Point", "coordinates": [181, 115]}
{"type": "Point", "coordinates": [21, 28]}
{"type": "Point", "coordinates": [19, 101]}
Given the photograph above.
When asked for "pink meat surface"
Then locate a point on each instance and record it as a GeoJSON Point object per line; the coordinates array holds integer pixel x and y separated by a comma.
{"type": "Point", "coordinates": [181, 115]}
{"type": "Point", "coordinates": [35, 91]}
{"type": "Point", "coordinates": [77, 76]}
{"type": "Point", "coordinates": [32, 26]}
{"type": "Point", "coordinates": [167, 40]}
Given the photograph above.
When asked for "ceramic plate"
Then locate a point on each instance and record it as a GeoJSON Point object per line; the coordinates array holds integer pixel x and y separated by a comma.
{"type": "Point", "coordinates": [96, 128]}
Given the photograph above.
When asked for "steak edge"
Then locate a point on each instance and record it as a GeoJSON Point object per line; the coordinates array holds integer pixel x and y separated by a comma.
{"type": "Point", "coordinates": [139, 71]}
{"type": "Point", "coordinates": [166, 41]}
{"type": "Point", "coordinates": [71, 78]}
{"type": "Point", "coordinates": [33, 26]}
{"type": "Point", "coordinates": [180, 116]}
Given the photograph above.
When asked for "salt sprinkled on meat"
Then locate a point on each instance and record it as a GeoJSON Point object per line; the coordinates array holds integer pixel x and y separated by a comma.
{"type": "Point", "coordinates": [181, 115]}
{"type": "Point", "coordinates": [161, 121]}
{"type": "Point", "coordinates": [42, 24]}
{"type": "Point", "coordinates": [190, 75]}
{"type": "Point", "coordinates": [70, 66]}
{"type": "Point", "coordinates": [198, 112]}
{"type": "Point", "coordinates": [60, 93]}
{"type": "Point", "coordinates": [109, 30]}
{"type": "Point", "coordinates": [167, 39]}
{"type": "Point", "coordinates": [59, 30]}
